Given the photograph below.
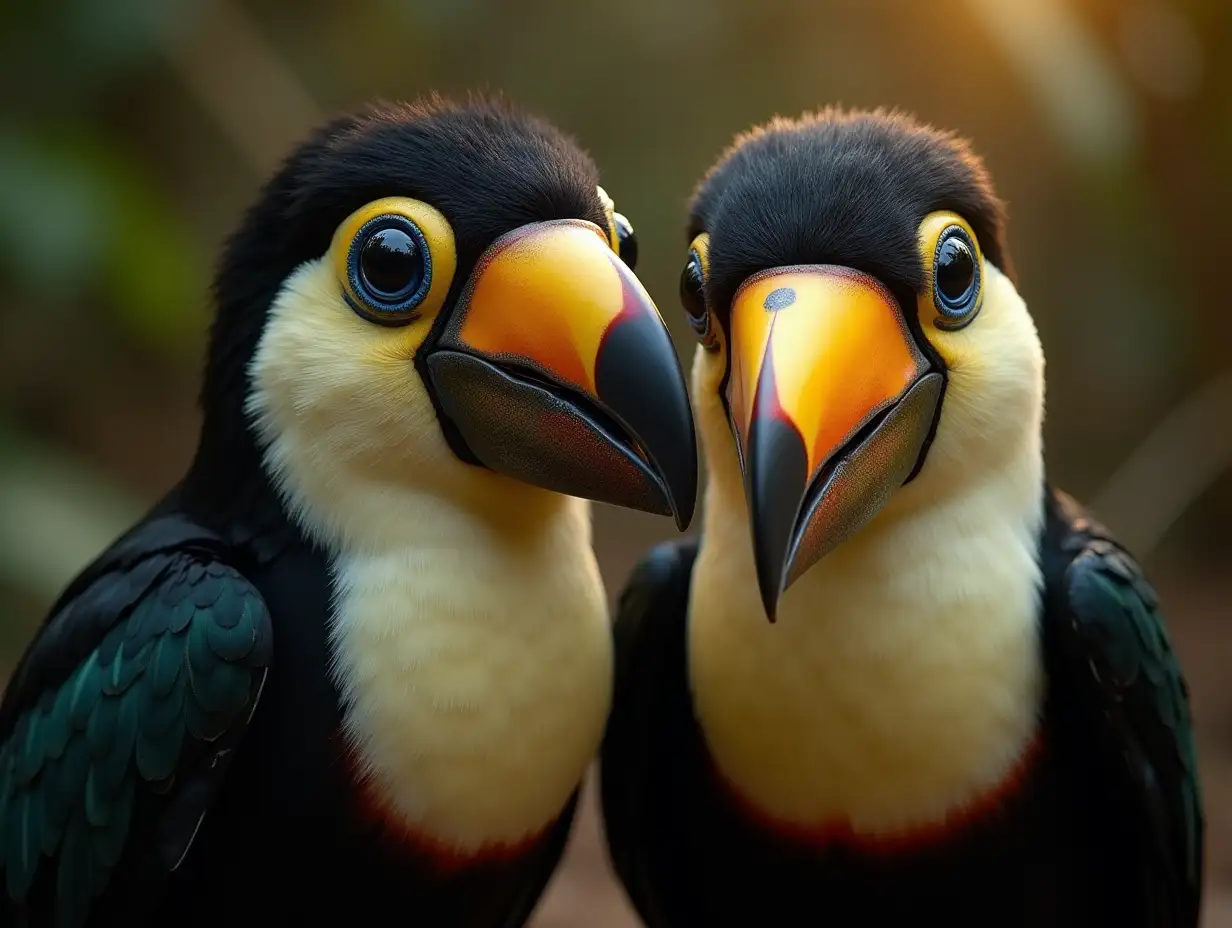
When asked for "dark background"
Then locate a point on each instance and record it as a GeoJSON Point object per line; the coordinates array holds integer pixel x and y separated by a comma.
{"type": "Point", "coordinates": [133, 132]}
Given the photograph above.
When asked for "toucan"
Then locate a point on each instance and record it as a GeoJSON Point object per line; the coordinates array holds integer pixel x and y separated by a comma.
{"type": "Point", "coordinates": [356, 663]}
{"type": "Point", "coordinates": [898, 677]}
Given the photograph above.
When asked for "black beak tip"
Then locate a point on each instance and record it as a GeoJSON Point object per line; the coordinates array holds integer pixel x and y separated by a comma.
{"type": "Point", "coordinates": [769, 585]}
{"type": "Point", "coordinates": [684, 502]}
{"type": "Point", "coordinates": [638, 378]}
{"type": "Point", "coordinates": [676, 462]}
{"type": "Point", "coordinates": [778, 480]}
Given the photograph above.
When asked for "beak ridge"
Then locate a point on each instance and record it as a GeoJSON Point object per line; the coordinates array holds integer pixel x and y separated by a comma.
{"type": "Point", "coordinates": [843, 401]}
{"type": "Point", "coordinates": [556, 369]}
{"type": "Point", "coordinates": [632, 375]}
{"type": "Point", "coordinates": [775, 482]}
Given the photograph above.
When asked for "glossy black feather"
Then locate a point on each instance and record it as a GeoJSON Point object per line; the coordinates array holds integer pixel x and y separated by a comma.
{"type": "Point", "coordinates": [116, 728]}
{"type": "Point", "coordinates": [1120, 698]}
{"type": "Point", "coordinates": [130, 758]}
{"type": "Point", "coordinates": [1106, 829]}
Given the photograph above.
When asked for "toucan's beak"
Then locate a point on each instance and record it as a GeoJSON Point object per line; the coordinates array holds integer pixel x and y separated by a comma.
{"type": "Point", "coordinates": [556, 369]}
{"type": "Point", "coordinates": [832, 401]}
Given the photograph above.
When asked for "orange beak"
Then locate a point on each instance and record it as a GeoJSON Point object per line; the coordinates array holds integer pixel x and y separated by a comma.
{"type": "Point", "coordinates": [832, 402]}
{"type": "Point", "coordinates": [556, 369]}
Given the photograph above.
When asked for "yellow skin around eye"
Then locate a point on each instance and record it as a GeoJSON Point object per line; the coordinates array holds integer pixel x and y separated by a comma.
{"type": "Point", "coordinates": [609, 209]}
{"type": "Point", "coordinates": [431, 222]}
{"type": "Point", "coordinates": [714, 338]}
{"type": "Point", "coordinates": [960, 348]}
{"type": "Point", "coordinates": [929, 233]}
{"type": "Point", "coordinates": [701, 244]}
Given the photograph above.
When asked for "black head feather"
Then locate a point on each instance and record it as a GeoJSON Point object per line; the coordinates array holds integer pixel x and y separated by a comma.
{"type": "Point", "coordinates": [487, 166]}
{"type": "Point", "coordinates": [837, 187]}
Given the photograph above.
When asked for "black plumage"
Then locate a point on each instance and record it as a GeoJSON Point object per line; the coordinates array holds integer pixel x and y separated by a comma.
{"type": "Point", "coordinates": [1100, 822]}
{"type": "Point", "coordinates": [170, 748]}
{"type": "Point", "coordinates": [487, 166]}
{"type": "Point", "coordinates": [1104, 826]}
{"type": "Point", "coordinates": [771, 201]}
{"type": "Point", "coordinates": [124, 714]}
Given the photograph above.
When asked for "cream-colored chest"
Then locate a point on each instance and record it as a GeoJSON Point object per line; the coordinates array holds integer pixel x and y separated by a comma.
{"type": "Point", "coordinates": [476, 681]}
{"type": "Point", "coordinates": [899, 683]}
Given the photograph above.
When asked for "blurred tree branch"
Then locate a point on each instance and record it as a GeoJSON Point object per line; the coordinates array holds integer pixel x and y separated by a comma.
{"type": "Point", "coordinates": [1150, 164]}
{"type": "Point", "coordinates": [242, 82]}
{"type": "Point", "coordinates": [1076, 85]}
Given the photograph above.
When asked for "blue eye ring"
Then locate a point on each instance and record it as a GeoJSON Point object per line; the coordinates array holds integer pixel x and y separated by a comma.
{"type": "Point", "coordinates": [956, 307]}
{"type": "Point", "coordinates": [392, 308]}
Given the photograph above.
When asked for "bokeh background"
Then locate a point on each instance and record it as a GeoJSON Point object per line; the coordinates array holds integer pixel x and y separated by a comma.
{"type": "Point", "coordinates": [133, 132]}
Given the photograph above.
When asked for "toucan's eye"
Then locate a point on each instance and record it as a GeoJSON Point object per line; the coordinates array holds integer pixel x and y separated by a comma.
{"type": "Point", "coordinates": [693, 291]}
{"type": "Point", "coordinates": [393, 267]}
{"type": "Point", "coordinates": [626, 240]}
{"type": "Point", "coordinates": [950, 250]}
{"type": "Point", "coordinates": [955, 272]}
{"type": "Point", "coordinates": [396, 259]}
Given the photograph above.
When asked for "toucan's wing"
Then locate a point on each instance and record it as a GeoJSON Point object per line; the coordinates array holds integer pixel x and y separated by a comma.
{"type": "Point", "coordinates": [117, 726]}
{"type": "Point", "coordinates": [651, 717]}
{"type": "Point", "coordinates": [1120, 694]}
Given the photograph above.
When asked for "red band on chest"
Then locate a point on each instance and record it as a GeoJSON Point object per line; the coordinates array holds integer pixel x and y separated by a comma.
{"type": "Point", "coordinates": [374, 816]}
{"type": "Point", "coordinates": [888, 844]}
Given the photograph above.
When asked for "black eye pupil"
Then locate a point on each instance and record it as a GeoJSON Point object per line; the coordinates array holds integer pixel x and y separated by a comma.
{"type": "Point", "coordinates": [391, 263]}
{"type": "Point", "coordinates": [691, 284]}
{"type": "Point", "coordinates": [627, 241]}
{"type": "Point", "coordinates": [955, 270]}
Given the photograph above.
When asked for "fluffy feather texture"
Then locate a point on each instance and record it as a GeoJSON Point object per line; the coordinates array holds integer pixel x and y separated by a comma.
{"type": "Point", "coordinates": [980, 615]}
{"type": "Point", "coordinates": [838, 188]}
{"type": "Point", "coordinates": [900, 687]}
{"type": "Point", "coordinates": [486, 165]}
{"type": "Point", "coordinates": [852, 724]}
{"type": "Point", "coordinates": [468, 634]}
{"type": "Point", "coordinates": [122, 718]}
{"type": "Point", "coordinates": [474, 706]}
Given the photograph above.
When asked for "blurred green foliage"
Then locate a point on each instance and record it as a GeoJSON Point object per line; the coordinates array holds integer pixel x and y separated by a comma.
{"type": "Point", "coordinates": [80, 196]}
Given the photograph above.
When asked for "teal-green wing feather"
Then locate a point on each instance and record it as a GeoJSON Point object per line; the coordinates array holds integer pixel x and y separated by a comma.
{"type": "Point", "coordinates": [1114, 662]}
{"type": "Point", "coordinates": [115, 729]}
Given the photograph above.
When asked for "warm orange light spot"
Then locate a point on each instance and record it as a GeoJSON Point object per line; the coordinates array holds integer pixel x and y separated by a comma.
{"type": "Point", "coordinates": [546, 296]}
{"type": "Point", "coordinates": [839, 349]}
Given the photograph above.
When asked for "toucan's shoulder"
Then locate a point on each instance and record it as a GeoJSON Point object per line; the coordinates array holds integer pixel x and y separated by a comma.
{"type": "Point", "coordinates": [1121, 694]}
{"type": "Point", "coordinates": [657, 590]}
{"type": "Point", "coordinates": [1075, 544]}
{"type": "Point", "coordinates": [164, 528]}
{"type": "Point", "coordinates": [652, 611]}
{"type": "Point", "coordinates": [1070, 525]}
{"type": "Point", "coordinates": [167, 550]}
